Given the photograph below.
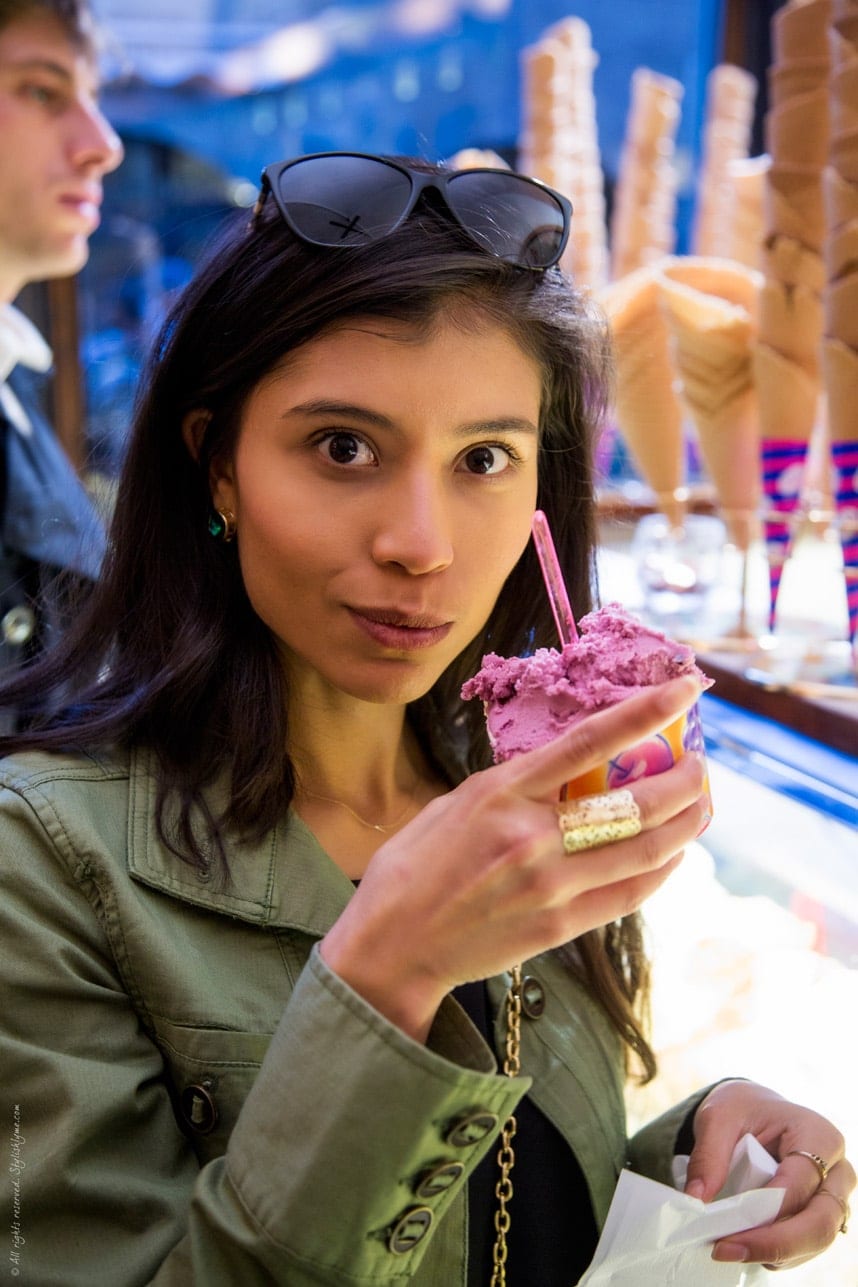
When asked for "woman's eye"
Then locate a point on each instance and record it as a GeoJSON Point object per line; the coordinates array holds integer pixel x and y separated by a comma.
{"type": "Point", "coordinates": [347, 449]}
{"type": "Point", "coordinates": [488, 460]}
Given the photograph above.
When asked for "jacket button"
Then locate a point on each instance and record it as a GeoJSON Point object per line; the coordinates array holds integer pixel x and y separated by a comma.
{"type": "Point", "coordinates": [199, 1108]}
{"type": "Point", "coordinates": [411, 1228]}
{"type": "Point", "coordinates": [441, 1178]}
{"type": "Point", "coordinates": [532, 997]}
{"type": "Point", "coordinates": [472, 1128]}
{"type": "Point", "coordinates": [18, 625]}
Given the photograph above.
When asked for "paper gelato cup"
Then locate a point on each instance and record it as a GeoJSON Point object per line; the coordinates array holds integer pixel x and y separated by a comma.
{"type": "Point", "coordinates": [531, 700]}
{"type": "Point", "coordinates": [645, 759]}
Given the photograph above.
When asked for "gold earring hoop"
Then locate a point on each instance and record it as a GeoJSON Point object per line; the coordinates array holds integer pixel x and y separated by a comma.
{"type": "Point", "coordinates": [222, 523]}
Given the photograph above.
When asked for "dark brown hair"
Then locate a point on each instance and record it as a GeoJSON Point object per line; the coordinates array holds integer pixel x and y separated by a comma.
{"type": "Point", "coordinates": [74, 15]}
{"type": "Point", "coordinates": [168, 650]}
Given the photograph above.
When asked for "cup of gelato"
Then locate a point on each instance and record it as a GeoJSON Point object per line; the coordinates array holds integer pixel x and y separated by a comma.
{"type": "Point", "coordinates": [531, 700]}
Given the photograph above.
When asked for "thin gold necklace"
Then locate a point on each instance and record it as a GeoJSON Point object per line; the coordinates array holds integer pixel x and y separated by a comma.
{"type": "Point", "coordinates": [373, 826]}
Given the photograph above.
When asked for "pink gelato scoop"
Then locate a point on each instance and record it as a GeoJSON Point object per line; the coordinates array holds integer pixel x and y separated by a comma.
{"type": "Point", "coordinates": [531, 700]}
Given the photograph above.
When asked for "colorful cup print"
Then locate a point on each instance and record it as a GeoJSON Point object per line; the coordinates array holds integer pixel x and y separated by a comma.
{"type": "Point", "coordinates": [645, 759]}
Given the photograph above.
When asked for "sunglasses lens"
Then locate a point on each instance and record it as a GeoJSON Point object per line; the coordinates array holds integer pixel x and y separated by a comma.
{"type": "Point", "coordinates": [514, 219]}
{"type": "Point", "coordinates": [343, 200]}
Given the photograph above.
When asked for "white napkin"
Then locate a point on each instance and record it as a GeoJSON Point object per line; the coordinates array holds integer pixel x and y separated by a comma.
{"type": "Point", "coordinates": [656, 1236]}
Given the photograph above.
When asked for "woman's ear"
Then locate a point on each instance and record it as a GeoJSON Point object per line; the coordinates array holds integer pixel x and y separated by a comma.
{"type": "Point", "coordinates": [194, 427]}
{"type": "Point", "coordinates": [221, 487]}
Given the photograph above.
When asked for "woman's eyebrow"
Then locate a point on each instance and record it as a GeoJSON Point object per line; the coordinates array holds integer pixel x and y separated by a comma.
{"type": "Point", "coordinates": [498, 424]}
{"type": "Point", "coordinates": [334, 407]}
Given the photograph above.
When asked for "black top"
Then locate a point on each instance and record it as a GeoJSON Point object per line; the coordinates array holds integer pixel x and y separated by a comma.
{"type": "Point", "coordinates": [553, 1233]}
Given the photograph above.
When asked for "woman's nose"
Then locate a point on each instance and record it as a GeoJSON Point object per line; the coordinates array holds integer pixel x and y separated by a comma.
{"type": "Point", "coordinates": [413, 528]}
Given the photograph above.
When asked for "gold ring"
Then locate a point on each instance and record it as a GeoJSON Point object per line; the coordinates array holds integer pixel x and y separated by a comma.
{"type": "Point", "coordinates": [819, 1162]}
{"type": "Point", "coordinates": [841, 1202]}
{"type": "Point", "coordinates": [592, 820]}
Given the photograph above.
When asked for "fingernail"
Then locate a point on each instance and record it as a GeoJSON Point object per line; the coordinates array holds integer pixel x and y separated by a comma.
{"type": "Point", "coordinates": [730, 1251]}
{"type": "Point", "coordinates": [707, 818]}
{"type": "Point", "coordinates": [695, 1189]}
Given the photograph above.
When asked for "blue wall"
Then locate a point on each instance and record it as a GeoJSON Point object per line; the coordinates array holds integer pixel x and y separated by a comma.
{"type": "Point", "coordinates": [461, 88]}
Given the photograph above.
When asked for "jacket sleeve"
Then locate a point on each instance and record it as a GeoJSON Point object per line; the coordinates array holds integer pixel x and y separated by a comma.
{"type": "Point", "coordinates": [320, 1168]}
{"type": "Point", "coordinates": [652, 1148]}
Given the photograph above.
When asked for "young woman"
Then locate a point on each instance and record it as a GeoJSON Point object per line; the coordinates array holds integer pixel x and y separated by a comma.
{"type": "Point", "coordinates": [262, 884]}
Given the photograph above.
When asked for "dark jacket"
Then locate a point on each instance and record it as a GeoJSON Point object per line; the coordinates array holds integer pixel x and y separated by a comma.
{"type": "Point", "coordinates": [48, 525]}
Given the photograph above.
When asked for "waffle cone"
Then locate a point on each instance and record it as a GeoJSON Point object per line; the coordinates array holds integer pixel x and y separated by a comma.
{"type": "Point", "coordinates": [711, 341]}
{"type": "Point", "coordinates": [800, 30]}
{"type": "Point", "coordinates": [797, 131]}
{"type": "Point", "coordinates": [844, 155]}
{"type": "Point", "coordinates": [712, 344]}
{"type": "Point", "coordinates": [793, 204]}
{"type": "Point", "coordinates": [787, 396]}
{"type": "Point", "coordinates": [840, 372]}
{"type": "Point", "coordinates": [799, 76]}
{"type": "Point", "coordinates": [839, 197]}
{"type": "Point", "coordinates": [648, 412]}
{"type": "Point", "coordinates": [791, 322]}
{"type": "Point", "coordinates": [841, 251]}
{"type": "Point", "coordinates": [748, 181]}
{"type": "Point", "coordinates": [724, 279]}
{"type": "Point", "coordinates": [845, 23]}
{"type": "Point", "coordinates": [841, 310]}
{"type": "Point", "coordinates": [842, 51]}
{"type": "Point", "coordinates": [844, 114]}
{"type": "Point", "coordinates": [729, 445]}
{"type": "Point", "coordinates": [784, 259]}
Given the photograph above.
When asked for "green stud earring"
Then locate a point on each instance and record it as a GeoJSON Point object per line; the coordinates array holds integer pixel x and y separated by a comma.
{"type": "Point", "coordinates": [222, 524]}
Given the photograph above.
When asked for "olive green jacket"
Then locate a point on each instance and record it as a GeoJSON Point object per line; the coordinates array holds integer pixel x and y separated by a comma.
{"type": "Point", "coordinates": [195, 1098]}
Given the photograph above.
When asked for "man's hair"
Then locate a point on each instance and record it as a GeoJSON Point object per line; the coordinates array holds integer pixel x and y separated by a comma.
{"type": "Point", "coordinates": [75, 17]}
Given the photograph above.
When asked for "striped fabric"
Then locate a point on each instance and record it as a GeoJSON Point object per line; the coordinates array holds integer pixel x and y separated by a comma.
{"type": "Point", "coordinates": [783, 462]}
{"type": "Point", "coordinates": [845, 458]}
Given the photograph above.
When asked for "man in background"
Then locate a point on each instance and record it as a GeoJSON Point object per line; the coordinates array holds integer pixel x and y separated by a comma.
{"type": "Point", "coordinates": [55, 148]}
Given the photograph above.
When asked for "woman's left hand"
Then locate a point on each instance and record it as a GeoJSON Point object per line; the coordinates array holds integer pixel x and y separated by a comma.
{"type": "Point", "coordinates": [811, 1214]}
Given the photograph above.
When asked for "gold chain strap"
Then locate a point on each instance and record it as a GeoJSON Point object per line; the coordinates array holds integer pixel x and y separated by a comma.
{"type": "Point", "coordinates": [506, 1154]}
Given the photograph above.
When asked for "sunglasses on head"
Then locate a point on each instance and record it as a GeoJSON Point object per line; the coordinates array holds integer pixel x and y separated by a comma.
{"type": "Point", "coordinates": [347, 199]}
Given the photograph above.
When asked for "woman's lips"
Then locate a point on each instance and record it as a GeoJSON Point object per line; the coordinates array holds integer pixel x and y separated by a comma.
{"type": "Point", "coordinates": [399, 630]}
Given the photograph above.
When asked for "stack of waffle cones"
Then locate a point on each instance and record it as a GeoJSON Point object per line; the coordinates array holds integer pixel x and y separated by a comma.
{"type": "Point", "coordinates": [647, 411]}
{"type": "Point", "coordinates": [787, 359]}
{"type": "Point", "coordinates": [683, 331]}
{"type": "Point", "coordinates": [730, 95]}
{"type": "Point", "coordinates": [711, 309]}
{"type": "Point", "coordinates": [559, 141]}
{"type": "Point", "coordinates": [746, 182]}
{"type": "Point", "coordinates": [643, 217]}
{"type": "Point", "coordinates": [840, 344]}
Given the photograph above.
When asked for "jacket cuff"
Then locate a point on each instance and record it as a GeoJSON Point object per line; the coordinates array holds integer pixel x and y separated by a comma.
{"type": "Point", "coordinates": [349, 1110]}
{"type": "Point", "coordinates": [653, 1147]}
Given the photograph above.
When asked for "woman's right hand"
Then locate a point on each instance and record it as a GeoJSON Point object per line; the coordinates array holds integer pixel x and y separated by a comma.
{"type": "Point", "coordinates": [479, 879]}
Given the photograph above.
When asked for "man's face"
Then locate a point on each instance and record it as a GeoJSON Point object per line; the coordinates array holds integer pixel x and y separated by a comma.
{"type": "Point", "coordinates": [55, 147]}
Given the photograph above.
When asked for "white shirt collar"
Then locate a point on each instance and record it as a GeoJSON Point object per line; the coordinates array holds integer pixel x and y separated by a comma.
{"type": "Point", "coordinates": [20, 343]}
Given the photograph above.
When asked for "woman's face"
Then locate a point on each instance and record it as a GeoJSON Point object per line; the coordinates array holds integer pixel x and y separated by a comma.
{"type": "Point", "coordinates": [383, 486]}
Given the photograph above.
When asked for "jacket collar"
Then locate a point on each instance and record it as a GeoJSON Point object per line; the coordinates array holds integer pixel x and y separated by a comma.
{"type": "Point", "coordinates": [20, 343]}
{"type": "Point", "coordinates": [283, 881]}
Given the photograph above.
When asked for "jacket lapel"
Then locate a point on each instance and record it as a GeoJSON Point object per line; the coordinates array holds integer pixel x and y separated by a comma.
{"type": "Point", "coordinates": [285, 880]}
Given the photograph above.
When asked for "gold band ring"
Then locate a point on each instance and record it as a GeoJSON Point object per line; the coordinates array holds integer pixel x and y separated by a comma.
{"type": "Point", "coordinates": [592, 820]}
{"type": "Point", "coordinates": [821, 1165]}
{"type": "Point", "coordinates": [841, 1202]}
